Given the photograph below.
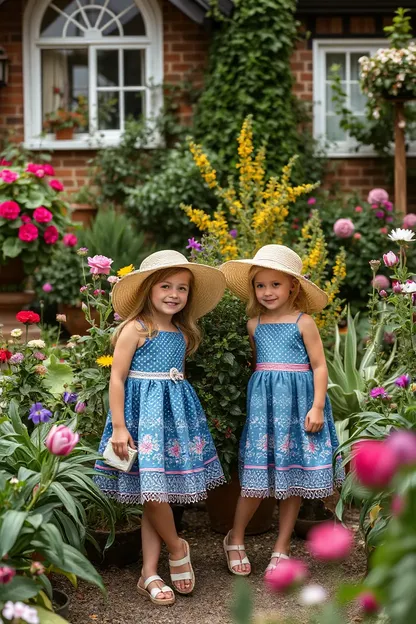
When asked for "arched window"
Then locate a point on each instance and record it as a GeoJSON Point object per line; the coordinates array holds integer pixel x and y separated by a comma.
{"type": "Point", "coordinates": [101, 58]}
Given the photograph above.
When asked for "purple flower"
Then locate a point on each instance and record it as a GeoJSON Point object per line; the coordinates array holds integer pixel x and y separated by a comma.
{"type": "Point", "coordinates": [388, 206]}
{"type": "Point", "coordinates": [311, 201]}
{"type": "Point", "coordinates": [233, 233]}
{"type": "Point", "coordinates": [403, 381]}
{"type": "Point", "coordinates": [117, 317]}
{"type": "Point", "coordinates": [47, 287]}
{"type": "Point", "coordinates": [193, 244]}
{"type": "Point", "coordinates": [69, 397]}
{"type": "Point", "coordinates": [17, 358]}
{"type": "Point", "coordinates": [378, 392]}
{"type": "Point", "coordinates": [39, 414]}
{"type": "Point", "coordinates": [380, 214]}
{"type": "Point", "coordinates": [80, 407]}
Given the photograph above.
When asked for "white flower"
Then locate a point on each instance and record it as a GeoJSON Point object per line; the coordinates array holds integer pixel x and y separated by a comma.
{"type": "Point", "coordinates": [409, 287]}
{"type": "Point", "coordinates": [401, 235]}
{"type": "Point", "coordinates": [402, 123]}
{"type": "Point", "coordinates": [14, 481]}
{"type": "Point", "coordinates": [39, 344]}
{"type": "Point", "coordinates": [16, 333]}
{"type": "Point", "coordinates": [313, 594]}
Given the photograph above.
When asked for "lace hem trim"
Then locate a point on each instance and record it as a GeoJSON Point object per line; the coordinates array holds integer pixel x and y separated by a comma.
{"type": "Point", "coordinates": [163, 497]}
{"type": "Point", "coordinates": [283, 494]}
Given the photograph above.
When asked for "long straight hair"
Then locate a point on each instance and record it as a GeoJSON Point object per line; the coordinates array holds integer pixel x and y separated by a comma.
{"type": "Point", "coordinates": [254, 308]}
{"type": "Point", "coordinates": [145, 311]}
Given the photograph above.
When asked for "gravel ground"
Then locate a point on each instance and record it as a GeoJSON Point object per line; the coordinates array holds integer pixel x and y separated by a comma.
{"type": "Point", "coordinates": [210, 602]}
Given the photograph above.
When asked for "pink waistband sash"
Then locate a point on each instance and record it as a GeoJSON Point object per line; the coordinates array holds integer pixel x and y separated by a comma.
{"type": "Point", "coordinates": [280, 366]}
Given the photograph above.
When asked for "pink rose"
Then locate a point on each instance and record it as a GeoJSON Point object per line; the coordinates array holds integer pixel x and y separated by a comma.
{"type": "Point", "coordinates": [56, 185]}
{"type": "Point", "coordinates": [8, 176]}
{"type": "Point", "coordinates": [70, 240]}
{"type": "Point", "coordinates": [377, 196]}
{"type": "Point", "coordinates": [28, 232]}
{"type": "Point", "coordinates": [330, 541]}
{"type": "Point", "coordinates": [61, 440]}
{"type": "Point", "coordinates": [51, 235]}
{"type": "Point", "coordinates": [9, 210]}
{"type": "Point", "coordinates": [288, 573]}
{"type": "Point", "coordinates": [49, 170]}
{"type": "Point", "coordinates": [381, 282]}
{"type": "Point", "coordinates": [403, 444]}
{"type": "Point", "coordinates": [100, 265]}
{"type": "Point", "coordinates": [374, 463]}
{"type": "Point", "coordinates": [42, 215]}
{"type": "Point", "coordinates": [34, 168]}
{"type": "Point", "coordinates": [344, 228]}
{"type": "Point", "coordinates": [25, 218]}
{"type": "Point", "coordinates": [390, 259]}
{"type": "Point", "coordinates": [409, 221]}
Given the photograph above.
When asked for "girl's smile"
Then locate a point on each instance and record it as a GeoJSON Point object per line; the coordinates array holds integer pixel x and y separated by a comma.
{"type": "Point", "coordinates": [170, 296]}
{"type": "Point", "coordinates": [272, 288]}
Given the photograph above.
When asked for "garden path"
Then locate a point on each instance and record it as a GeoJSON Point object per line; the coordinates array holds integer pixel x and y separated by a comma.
{"type": "Point", "coordinates": [210, 603]}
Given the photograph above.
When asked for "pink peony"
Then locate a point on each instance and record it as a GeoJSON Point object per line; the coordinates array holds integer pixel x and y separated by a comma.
{"type": "Point", "coordinates": [49, 170]}
{"type": "Point", "coordinates": [8, 176]}
{"type": "Point", "coordinates": [330, 541]}
{"type": "Point", "coordinates": [28, 232]}
{"type": "Point", "coordinates": [100, 265]}
{"type": "Point", "coordinates": [70, 240]}
{"type": "Point", "coordinates": [377, 196]}
{"type": "Point", "coordinates": [409, 221]}
{"type": "Point", "coordinates": [403, 444]}
{"type": "Point", "coordinates": [25, 218]}
{"type": "Point", "coordinates": [9, 210]}
{"type": "Point", "coordinates": [56, 185]}
{"type": "Point", "coordinates": [344, 228]}
{"type": "Point", "coordinates": [368, 602]}
{"type": "Point", "coordinates": [61, 440]}
{"type": "Point", "coordinates": [390, 259]}
{"type": "Point", "coordinates": [288, 573]}
{"type": "Point", "coordinates": [381, 282]}
{"type": "Point", "coordinates": [34, 168]}
{"type": "Point", "coordinates": [47, 287]}
{"type": "Point", "coordinates": [374, 463]}
{"type": "Point", "coordinates": [42, 215]}
{"type": "Point", "coordinates": [388, 206]}
{"type": "Point", "coordinates": [51, 235]}
{"type": "Point", "coordinates": [380, 214]}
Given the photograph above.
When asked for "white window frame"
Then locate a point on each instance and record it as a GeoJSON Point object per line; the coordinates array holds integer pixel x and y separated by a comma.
{"type": "Point", "coordinates": [152, 43]}
{"type": "Point", "coordinates": [341, 149]}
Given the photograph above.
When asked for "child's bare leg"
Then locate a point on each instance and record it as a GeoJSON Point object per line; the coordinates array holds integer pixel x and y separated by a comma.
{"type": "Point", "coordinates": [151, 545]}
{"type": "Point", "coordinates": [288, 512]}
{"type": "Point", "coordinates": [245, 510]}
{"type": "Point", "coordinates": [161, 517]}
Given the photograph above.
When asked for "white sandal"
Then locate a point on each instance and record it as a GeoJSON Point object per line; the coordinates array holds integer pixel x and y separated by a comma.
{"type": "Point", "coordinates": [155, 591]}
{"type": "Point", "coordinates": [278, 556]}
{"type": "Point", "coordinates": [235, 562]}
{"type": "Point", "coordinates": [183, 576]}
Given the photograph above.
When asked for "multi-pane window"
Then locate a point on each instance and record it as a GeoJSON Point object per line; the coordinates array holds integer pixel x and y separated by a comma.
{"type": "Point", "coordinates": [99, 56]}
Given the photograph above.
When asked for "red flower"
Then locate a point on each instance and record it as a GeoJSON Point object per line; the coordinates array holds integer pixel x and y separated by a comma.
{"type": "Point", "coordinates": [49, 170]}
{"type": "Point", "coordinates": [56, 185]}
{"type": "Point", "coordinates": [27, 317]}
{"type": "Point", "coordinates": [5, 163]}
{"type": "Point", "coordinates": [70, 240]}
{"type": "Point", "coordinates": [5, 355]}
{"type": "Point", "coordinates": [28, 232]}
{"type": "Point", "coordinates": [9, 210]}
{"type": "Point", "coordinates": [42, 215]}
{"type": "Point", "coordinates": [51, 235]}
{"type": "Point", "coordinates": [25, 218]}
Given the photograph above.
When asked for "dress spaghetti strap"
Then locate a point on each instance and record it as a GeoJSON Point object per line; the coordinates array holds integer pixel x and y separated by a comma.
{"type": "Point", "coordinates": [298, 317]}
{"type": "Point", "coordinates": [258, 320]}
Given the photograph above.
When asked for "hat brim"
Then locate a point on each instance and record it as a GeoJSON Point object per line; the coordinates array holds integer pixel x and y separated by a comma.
{"type": "Point", "coordinates": [208, 288]}
{"type": "Point", "coordinates": [237, 275]}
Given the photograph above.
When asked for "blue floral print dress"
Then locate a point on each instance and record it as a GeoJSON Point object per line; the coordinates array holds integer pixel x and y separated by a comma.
{"type": "Point", "coordinates": [177, 461]}
{"type": "Point", "coordinates": [277, 456]}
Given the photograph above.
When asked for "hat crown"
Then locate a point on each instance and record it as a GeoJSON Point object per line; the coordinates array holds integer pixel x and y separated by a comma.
{"type": "Point", "coordinates": [162, 259]}
{"type": "Point", "coordinates": [281, 255]}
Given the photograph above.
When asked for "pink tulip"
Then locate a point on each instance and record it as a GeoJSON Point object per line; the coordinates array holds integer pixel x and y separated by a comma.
{"type": "Point", "coordinates": [61, 440]}
{"type": "Point", "coordinates": [374, 463]}
{"type": "Point", "coordinates": [368, 602]}
{"type": "Point", "coordinates": [330, 541]}
{"type": "Point", "coordinates": [287, 574]}
{"type": "Point", "coordinates": [403, 444]}
{"type": "Point", "coordinates": [390, 259]}
{"type": "Point", "coordinates": [100, 265]}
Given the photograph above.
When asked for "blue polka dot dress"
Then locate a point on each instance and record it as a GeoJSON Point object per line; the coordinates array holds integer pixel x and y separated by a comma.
{"type": "Point", "coordinates": [177, 461]}
{"type": "Point", "coordinates": [277, 456]}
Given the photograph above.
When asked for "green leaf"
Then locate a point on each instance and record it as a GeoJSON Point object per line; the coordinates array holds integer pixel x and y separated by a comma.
{"type": "Point", "coordinates": [12, 247]}
{"type": "Point", "coordinates": [47, 617]}
{"type": "Point", "coordinates": [20, 588]}
{"type": "Point", "coordinates": [10, 529]}
{"type": "Point", "coordinates": [58, 375]}
{"type": "Point", "coordinates": [242, 608]}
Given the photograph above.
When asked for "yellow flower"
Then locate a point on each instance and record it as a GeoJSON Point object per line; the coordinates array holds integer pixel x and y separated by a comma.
{"type": "Point", "coordinates": [104, 360]}
{"type": "Point", "coordinates": [125, 270]}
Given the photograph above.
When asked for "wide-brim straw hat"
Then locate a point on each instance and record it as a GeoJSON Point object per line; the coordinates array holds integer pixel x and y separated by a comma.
{"type": "Point", "coordinates": [209, 283]}
{"type": "Point", "coordinates": [278, 258]}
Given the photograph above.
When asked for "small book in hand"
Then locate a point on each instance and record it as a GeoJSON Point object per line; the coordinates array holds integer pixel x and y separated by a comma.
{"type": "Point", "coordinates": [114, 460]}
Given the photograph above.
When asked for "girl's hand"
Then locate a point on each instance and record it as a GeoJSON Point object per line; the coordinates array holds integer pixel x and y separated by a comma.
{"type": "Point", "coordinates": [314, 420]}
{"type": "Point", "coordinates": [120, 439]}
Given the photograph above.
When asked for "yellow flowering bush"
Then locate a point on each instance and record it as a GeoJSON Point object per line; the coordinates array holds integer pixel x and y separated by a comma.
{"type": "Point", "coordinates": [253, 212]}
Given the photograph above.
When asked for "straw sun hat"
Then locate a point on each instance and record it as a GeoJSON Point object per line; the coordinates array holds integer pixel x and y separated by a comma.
{"type": "Point", "coordinates": [278, 258]}
{"type": "Point", "coordinates": [208, 289]}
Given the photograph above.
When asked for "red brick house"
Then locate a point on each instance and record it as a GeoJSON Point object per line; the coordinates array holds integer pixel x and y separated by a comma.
{"type": "Point", "coordinates": [108, 50]}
